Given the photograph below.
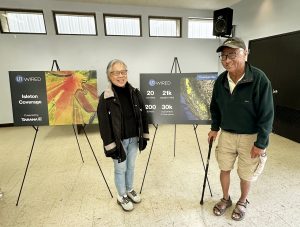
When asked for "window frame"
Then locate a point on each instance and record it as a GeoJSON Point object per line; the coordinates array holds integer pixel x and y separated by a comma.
{"type": "Point", "coordinates": [163, 17]}
{"type": "Point", "coordinates": [25, 11]}
{"type": "Point", "coordinates": [122, 16]}
{"type": "Point", "coordinates": [73, 13]}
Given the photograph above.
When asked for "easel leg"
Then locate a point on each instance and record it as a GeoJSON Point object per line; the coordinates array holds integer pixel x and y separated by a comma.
{"type": "Point", "coordinates": [97, 161]}
{"type": "Point", "coordinates": [195, 130]}
{"type": "Point", "coordinates": [174, 140]}
{"type": "Point", "coordinates": [156, 127]}
{"type": "Point", "coordinates": [78, 143]}
{"type": "Point", "coordinates": [36, 131]}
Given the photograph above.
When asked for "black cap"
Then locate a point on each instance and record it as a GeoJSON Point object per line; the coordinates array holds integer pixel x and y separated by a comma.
{"type": "Point", "coordinates": [233, 42]}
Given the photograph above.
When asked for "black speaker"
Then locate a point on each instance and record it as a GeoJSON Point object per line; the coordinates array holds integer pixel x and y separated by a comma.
{"type": "Point", "coordinates": [222, 22]}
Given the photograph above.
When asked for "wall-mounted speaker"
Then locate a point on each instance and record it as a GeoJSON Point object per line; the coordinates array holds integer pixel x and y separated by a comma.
{"type": "Point", "coordinates": [222, 22]}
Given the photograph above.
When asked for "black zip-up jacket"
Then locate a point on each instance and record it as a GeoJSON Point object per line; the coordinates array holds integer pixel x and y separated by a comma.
{"type": "Point", "coordinates": [110, 120]}
{"type": "Point", "coordinates": [248, 110]}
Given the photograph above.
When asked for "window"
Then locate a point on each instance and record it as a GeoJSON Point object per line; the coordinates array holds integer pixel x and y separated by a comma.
{"type": "Point", "coordinates": [22, 21]}
{"type": "Point", "coordinates": [164, 26]}
{"type": "Point", "coordinates": [71, 23]}
{"type": "Point", "coordinates": [200, 28]}
{"type": "Point", "coordinates": [122, 25]}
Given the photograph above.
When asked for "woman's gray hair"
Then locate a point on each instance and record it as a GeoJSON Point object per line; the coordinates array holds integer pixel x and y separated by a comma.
{"type": "Point", "coordinates": [111, 64]}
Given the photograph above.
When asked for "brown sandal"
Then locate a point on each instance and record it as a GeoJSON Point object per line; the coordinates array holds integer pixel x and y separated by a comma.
{"type": "Point", "coordinates": [239, 210]}
{"type": "Point", "coordinates": [220, 208]}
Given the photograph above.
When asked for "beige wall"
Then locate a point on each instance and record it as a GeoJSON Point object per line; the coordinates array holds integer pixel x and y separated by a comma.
{"type": "Point", "coordinates": [262, 18]}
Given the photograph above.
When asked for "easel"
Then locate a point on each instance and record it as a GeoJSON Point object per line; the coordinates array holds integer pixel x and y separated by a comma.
{"type": "Point", "coordinates": [36, 128]}
{"type": "Point", "coordinates": [175, 64]}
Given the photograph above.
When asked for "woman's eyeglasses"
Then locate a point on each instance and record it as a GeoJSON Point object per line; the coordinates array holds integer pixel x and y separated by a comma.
{"type": "Point", "coordinates": [117, 73]}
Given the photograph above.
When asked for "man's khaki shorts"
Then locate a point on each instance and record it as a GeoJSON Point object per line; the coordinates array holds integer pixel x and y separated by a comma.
{"type": "Point", "coordinates": [230, 146]}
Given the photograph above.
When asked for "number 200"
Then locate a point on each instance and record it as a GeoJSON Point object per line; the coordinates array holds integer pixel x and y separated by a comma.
{"type": "Point", "coordinates": [150, 107]}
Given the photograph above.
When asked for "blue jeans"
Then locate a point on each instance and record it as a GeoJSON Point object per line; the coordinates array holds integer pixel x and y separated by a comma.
{"type": "Point", "coordinates": [124, 171]}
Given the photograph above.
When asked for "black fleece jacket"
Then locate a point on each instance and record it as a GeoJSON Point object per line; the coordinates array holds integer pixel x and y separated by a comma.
{"type": "Point", "coordinates": [248, 110]}
{"type": "Point", "coordinates": [111, 121]}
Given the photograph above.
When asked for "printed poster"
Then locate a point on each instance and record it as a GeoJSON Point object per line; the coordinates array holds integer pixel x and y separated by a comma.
{"type": "Point", "coordinates": [53, 97]}
{"type": "Point", "coordinates": [178, 98]}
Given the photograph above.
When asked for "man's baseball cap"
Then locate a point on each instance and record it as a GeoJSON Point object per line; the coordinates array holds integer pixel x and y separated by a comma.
{"type": "Point", "coordinates": [233, 42]}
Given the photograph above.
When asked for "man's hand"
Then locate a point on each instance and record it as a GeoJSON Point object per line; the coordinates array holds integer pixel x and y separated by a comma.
{"type": "Point", "coordinates": [256, 152]}
{"type": "Point", "coordinates": [212, 134]}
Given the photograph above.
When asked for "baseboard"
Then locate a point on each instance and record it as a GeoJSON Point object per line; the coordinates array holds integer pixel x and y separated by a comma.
{"type": "Point", "coordinates": [7, 125]}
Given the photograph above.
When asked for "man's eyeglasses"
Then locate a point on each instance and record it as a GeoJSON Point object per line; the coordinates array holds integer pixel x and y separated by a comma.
{"type": "Point", "coordinates": [230, 56]}
{"type": "Point", "coordinates": [117, 73]}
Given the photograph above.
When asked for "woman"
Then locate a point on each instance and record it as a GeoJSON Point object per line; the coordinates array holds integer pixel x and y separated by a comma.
{"type": "Point", "coordinates": [123, 127]}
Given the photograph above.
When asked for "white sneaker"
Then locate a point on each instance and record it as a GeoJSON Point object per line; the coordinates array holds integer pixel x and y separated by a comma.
{"type": "Point", "coordinates": [136, 198]}
{"type": "Point", "coordinates": [125, 203]}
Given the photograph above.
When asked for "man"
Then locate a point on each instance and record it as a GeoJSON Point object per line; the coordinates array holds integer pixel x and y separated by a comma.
{"type": "Point", "coordinates": [242, 106]}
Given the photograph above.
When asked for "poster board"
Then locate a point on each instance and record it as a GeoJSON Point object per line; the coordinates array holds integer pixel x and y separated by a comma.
{"type": "Point", "coordinates": [53, 97]}
{"type": "Point", "coordinates": [178, 98]}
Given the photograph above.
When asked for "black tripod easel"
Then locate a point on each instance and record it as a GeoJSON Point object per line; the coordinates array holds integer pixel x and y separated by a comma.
{"type": "Point", "coordinates": [156, 127]}
{"type": "Point", "coordinates": [36, 128]}
{"type": "Point", "coordinates": [83, 128]}
{"type": "Point", "coordinates": [175, 65]}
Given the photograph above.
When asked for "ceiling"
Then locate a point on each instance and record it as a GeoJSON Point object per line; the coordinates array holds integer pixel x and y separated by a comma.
{"type": "Point", "coordinates": [187, 4]}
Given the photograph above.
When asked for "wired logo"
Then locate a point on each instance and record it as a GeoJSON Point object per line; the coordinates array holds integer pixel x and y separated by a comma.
{"type": "Point", "coordinates": [162, 83]}
{"type": "Point", "coordinates": [19, 78]}
{"type": "Point", "coordinates": [152, 82]}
